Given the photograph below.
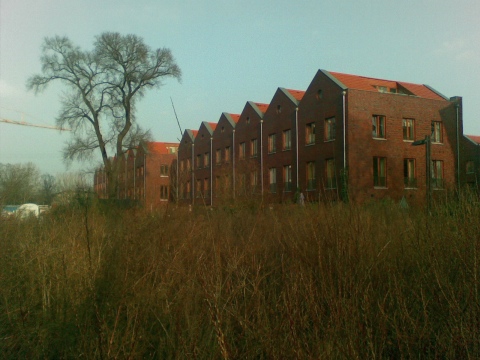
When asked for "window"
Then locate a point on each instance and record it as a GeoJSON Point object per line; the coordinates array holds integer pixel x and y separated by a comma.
{"type": "Point", "coordinates": [227, 154]}
{"type": "Point", "coordinates": [218, 185]}
{"type": "Point", "coordinates": [330, 129]}
{"type": "Point", "coordinates": [287, 139]}
{"type": "Point", "coordinates": [182, 165]}
{"type": "Point", "coordinates": [199, 161]}
{"type": "Point", "coordinates": [408, 129]}
{"type": "Point", "coordinates": [272, 143]}
{"type": "Point", "coordinates": [311, 181]}
{"type": "Point", "coordinates": [378, 126]}
{"type": "Point", "coordinates": [437, 174]}
{"type": "Point", "coordinates": [189, 165]}
{"type": "Point", "coordinates": [287, 177]}
{"type": "Point", "coordinates": [379, 172]}
{"type": "Point", "coordinates": [254, 148]}
{"type": "Point", "coordinates": [206, 160]}
{"type": "Point", "coordinates": [206, 186]}
{"type": "Point", "coordinates": [241, 151]}
{"type": "Point", "coordinates": [198, 188]}
{"type": "Point", "coordinates": [310, 133]}
{"type": "Point", "coordinates": [254, 179]}
{"type": "Point", "coordinates": [409, 173]}
{"type": "Point", "coordinates": [437, 133]}
{"type": "Point", "coordinates": [163, 192]}
{"type": "Point", "coordinates": [218, 156]}
{"type": "Point", "coordinates": [188, 194]}
{"type": "Point", "coordinates": [164, 170]}
{"type": "Point", "coordinates": [330, 174]}
{"type": "Point", "coordinates": [470, 167]}
{"type": "Point", "coordinates": [273, 180]}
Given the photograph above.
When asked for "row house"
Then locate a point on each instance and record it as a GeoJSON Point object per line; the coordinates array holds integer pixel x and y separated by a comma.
{"type": "Point", "coordinates": [144, 175]}
{"type": "Point", "coordinates": [471, 161]}
{"type": "Point", "coordinates": [345, 136]}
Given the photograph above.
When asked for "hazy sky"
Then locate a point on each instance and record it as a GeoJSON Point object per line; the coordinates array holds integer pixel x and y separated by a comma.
{"type": "Point", "coordinates": [231, 52]}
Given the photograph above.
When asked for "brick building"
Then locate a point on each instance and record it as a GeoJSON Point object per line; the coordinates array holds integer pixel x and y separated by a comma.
{"type": "Point", "coordinates": [144, 175]}
{"type": "Point", "coordinates": [345, 136]}
{"type": "Point", "coordinates": [471, 160]}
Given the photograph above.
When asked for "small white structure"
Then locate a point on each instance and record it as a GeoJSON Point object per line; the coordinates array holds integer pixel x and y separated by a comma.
{"type": "Point", "coordinates": [27, 210]}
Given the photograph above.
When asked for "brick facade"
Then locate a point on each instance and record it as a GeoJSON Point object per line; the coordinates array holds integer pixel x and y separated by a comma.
{"type": "Point", "coordinates": [345, 137]}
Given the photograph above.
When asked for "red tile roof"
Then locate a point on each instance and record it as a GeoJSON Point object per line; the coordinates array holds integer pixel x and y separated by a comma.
{"type": "Point", "coordinates": [370, 84]}
{"type": "Point", "coordinates": [194, 132]}
{"type": "Point", "coordinates": [235, 117]}
{"type": "Point", "coordinates": [159, 147]}
{"type": "Point", "coordinates": [212, 125]}
{"type": "Point", "coordinates": [297, 94]}
{"type": "Point", "coordinates": [262, 107]}
{"type": "Point", "coordinates": [474, 138]}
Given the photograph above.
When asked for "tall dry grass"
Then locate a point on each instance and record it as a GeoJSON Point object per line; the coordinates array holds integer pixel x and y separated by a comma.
{"type": "Point", "coordinates": [316, 282]}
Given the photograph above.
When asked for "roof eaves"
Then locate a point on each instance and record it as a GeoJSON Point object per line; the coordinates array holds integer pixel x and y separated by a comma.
{"type": "Point", "coordinates": [208, 127]}
{"type": "Point", "coordinates": [334, 79]}
{"type": "Point", "coordinates": [471, 140]}
{"type": "Point", "coordinates": [289, 95]}
{"type": "Point", "coordinates": [230, 119]}
{"type": "Point", "coordinates": [436, 92]}
{"type": "Point", "coordinates": [256, 108]}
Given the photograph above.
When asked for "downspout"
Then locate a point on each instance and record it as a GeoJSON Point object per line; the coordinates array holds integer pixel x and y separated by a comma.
{"type": "Point", "coordinates": [211, 171]}
{"type": "Point", "coordinates": [233, 161]}
{"type": "Point", "coordinates": [261, 155]}
{"type": "Point", "coordinates": [177, 182]}
{"type": "Point", "coordinates": [145, 180]}
{"type": "Point", "coordinates": [134, 176]}
{"type": "Point", "coordinates": [193, 174]}
{"type": "Point", "coordinates": [296, 146]}
{"type": "Point", "coordinates": [458, 146]}
{"type": "Point", "coordinates": [344, 132]}
{"type": "Point", "coordinates": [344, 173]}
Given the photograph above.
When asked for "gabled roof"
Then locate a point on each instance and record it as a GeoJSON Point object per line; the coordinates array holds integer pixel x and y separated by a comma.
{"type": "Point", "coordinates": [473, 138]}
{"type": "Point", "coordinates": [294, 95]}
{"type": "Point", "coordinates": [209, 126]}
{"type": "Point", "coordinates": [347, 81]}
{"type": "Point", "coordinates": [232, 118]}
{"type": "Point", "coordinates": [297, 94]}
{"type": "Point", "coordinates": [190, 134]}
{"type": "Point", "coordinates": [155, 147]}
{"type": "Point", "coordinates": [260, 106]}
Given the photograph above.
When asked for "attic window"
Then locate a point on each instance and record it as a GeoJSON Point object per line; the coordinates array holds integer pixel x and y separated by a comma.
{"type": "Point", "coordinates": [202, 136]}
{"type": "Point", "coordinates": [279, 109]}
{"type": "Point", "coordinates": [319, 94]}
{"type": "Point", "coordinates": [223, 129]}
{"type": "Point", "coordinates": [248, 119]}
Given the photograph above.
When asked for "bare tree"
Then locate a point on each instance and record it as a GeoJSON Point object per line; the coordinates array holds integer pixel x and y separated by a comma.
{"type": "Point", "coordinates": [19, 183]}
{"type": "Point", "coordinates": [104, 85]}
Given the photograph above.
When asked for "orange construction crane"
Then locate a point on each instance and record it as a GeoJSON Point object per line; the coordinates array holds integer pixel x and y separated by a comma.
{"type": "Point", "coordinates": [24, 123]}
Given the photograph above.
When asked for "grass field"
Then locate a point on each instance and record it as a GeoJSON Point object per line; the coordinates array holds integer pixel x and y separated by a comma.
{"type": "Point", "coordinates": [326, 281]}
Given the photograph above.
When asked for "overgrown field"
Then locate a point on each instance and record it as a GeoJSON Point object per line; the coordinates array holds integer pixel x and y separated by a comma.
{"type": "Point", "coordinates": [314, 282]}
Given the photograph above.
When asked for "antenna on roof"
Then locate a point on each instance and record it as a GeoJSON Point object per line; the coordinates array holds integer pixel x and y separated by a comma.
{"type": "Point", "coordinates": [178, 122]}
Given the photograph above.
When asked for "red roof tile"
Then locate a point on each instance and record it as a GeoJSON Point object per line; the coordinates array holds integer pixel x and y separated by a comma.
{"type": "Point", "coordinates": [371, 84]}
{"type": "Point", "coordinates": [212, 125]}
{"type": "Point", "coordinates": [159, 147]}
{"type": "Point", "coordinates": [297, 94]}
{"type": "Point", "coordinates": [235, 117]}
{"type": "Point", "coordinates": [474, 138]}
{"type": "Point", "coordinates": [262, 107]}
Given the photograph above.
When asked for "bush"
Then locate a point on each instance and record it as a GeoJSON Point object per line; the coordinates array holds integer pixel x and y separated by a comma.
{"type": "Point", "coordinates": [323, 281]}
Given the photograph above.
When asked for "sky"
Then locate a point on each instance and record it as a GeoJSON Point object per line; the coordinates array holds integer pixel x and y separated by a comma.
{"type": "Point", "coordinates": [231, 52]}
